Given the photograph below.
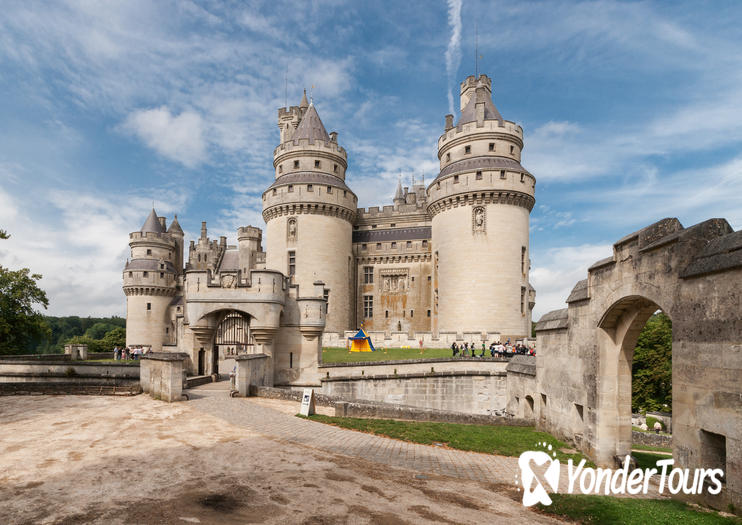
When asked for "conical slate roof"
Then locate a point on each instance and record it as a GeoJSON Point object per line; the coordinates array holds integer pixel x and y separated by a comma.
{"type": "Point", "coordinates": [175, 226]}
{"type": "Point", "coordinates": [152, 224]}
{"type": "Point", "coordinates": [399, 194]}
{"type": "Point", "coordinates": [469, 113]}
{"type": "Point", "coordinates": [311, 127]}
{"type": "Point", "coordinates": [304, 102]}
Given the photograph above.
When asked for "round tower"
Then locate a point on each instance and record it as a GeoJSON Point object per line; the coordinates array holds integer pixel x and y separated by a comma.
{"type": "Point", "coordinates": [150, 280]}
{"type": "Point", "coordinates": [309, 211]}
{"type": "Point", "coordinates": [480, 205]}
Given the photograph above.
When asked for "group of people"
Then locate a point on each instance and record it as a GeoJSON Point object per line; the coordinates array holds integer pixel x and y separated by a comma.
{"type": "Point", "coordinates": [496, 349]}
{"type": "Point", "coordinates": [129, 353]}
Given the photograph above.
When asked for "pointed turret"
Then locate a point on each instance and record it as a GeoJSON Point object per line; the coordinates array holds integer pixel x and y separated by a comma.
{"type": "Point", "coordinates": [311, 127]}
{"type": "Point", "coordinates": [152, 224]}
{"type": "Point", "coordinates": [304, 104]}
{"type": "Point", "coordinates": [175, 226]}
{"type": "Point", "coordinates": [399, 194]}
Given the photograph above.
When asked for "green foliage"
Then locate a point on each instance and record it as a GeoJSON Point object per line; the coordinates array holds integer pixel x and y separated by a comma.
{"type": "Point", "coordinates": [20, 324]}
{"type": "Point", "coordinates": [503, 440]}
{"type": "Point", "coordinates": [65, 328]}
{"type": "Point", "coordinates": [99, 329]}
{"type": "Point", "coordinates": [645, 460]}
{"type": "Point", "coordinates": [604, 510]}
{"type": "Point", "coordinates": [93, 344]}
{"type": "Point", "coordinates": [114, 338]}
{"type": "Point", "coordinates": [652, 368]}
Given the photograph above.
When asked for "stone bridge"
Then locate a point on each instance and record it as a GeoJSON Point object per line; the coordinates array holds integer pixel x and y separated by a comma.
{"type": "Point", "coordinates": [581, 388]}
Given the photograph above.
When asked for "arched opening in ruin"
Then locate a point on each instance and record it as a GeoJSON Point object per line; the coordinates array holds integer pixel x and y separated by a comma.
{"type": "Point", "coordinates": [232, 337]}
{"type": "Point", "coordinates": [620, 328]}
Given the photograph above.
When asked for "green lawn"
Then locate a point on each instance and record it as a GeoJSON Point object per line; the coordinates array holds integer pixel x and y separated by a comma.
{"type": "Point", "coordinates": [647, 460]}
{"type": "Point", "coordinates": [341, 355]}
{"type": "Point", "coordinates": [599, 510]}
{"type": "Point", "coordinates": [503, 440]}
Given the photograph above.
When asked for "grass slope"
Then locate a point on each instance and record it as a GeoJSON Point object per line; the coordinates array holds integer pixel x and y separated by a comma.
{"type": "Point", "coordinates": [502, 440]}
{"type": "Point", "coordinates": [604, 510]}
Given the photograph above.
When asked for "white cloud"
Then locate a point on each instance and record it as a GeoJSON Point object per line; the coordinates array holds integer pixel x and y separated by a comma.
{"type": "Point", "coordinates": [179, 138]}
{"type": "Point", "coordinates": [453, 51]}
{"type": "Point", "coordinates": [556, 272]}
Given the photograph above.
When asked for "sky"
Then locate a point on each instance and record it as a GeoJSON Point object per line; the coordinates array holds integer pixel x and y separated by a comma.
{"type": "Point", "coordinates": [632, 112]}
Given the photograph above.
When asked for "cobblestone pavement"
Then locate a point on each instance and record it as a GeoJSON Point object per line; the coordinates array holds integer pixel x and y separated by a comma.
{"type": "Point", "coordinates": [423, 458]}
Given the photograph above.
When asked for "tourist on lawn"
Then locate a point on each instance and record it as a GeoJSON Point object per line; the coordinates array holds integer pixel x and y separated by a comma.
{"type": "Point", "coordinates": [465, 353]}
{"type": "Point", "coordinates": [454, 348]}
{"type": "Point", "coordinates": [483, 346]}
{"type": "Point", "coordinates": [492, 349]}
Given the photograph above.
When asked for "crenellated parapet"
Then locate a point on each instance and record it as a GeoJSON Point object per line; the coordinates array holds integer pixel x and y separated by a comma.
{"type": "Point", "coordinates": [291, 209]}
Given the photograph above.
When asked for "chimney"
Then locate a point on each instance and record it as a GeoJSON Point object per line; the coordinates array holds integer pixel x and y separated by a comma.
{"type": "Point", "coordinates": [203, 229]}
{"type": "Point", "coordinates": [449, 122]}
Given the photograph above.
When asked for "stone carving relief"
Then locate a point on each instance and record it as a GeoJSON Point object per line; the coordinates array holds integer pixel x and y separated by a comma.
{"type": "Point", "coordinates": [291, 229]}
{"type": "Point", "coordinates": [228, 281]}
{"type": "Point", "coordinates": [479, 219]}
{"type": "Point", "coordinates": [395, 280]}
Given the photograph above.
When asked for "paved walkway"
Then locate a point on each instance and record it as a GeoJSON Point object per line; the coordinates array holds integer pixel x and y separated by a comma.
{"type": "Point", "coordinates": [214, 399]}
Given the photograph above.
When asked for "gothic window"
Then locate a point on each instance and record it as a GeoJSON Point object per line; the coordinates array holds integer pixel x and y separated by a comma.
{"type": "Point", "coordinates": [292, 263]}
{"type": "Point", "coordinates": [412, 313]}
{"type": "Point", "coordinates": [368, 274]}
{"type": "Point", "coordinates": [523, 300]}
{"type": "Point", "coordinates": [386, 314]}
{"type": "Point", "coordinates": [368, 306]}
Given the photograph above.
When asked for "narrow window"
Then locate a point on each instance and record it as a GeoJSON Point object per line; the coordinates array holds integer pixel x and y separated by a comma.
{"type": "Point", "coordinates": [404, 313]}
{"type": "Point", "coordinates": [149, 306]}
{"type": "Point", "coordinates": [502, 174]}
{"type": "Point", "coordinates": [275, 190]}
{"type": "Point", "coordinates": [467, 149]}
{"type": "Point", "coordinates": [131, 274]}
{"type": "Point", "coordinates": [512, 149]}
{"type": "Point", "coordinates": [579, 410]}
{"type": "Point", "coordinates": [368, 274]}
{"type": "Point", "coordinates": [428, 313]}
{"type": "Point", "coordinates": [364, 246]}
{"type": "Point", "coordinates": [291, 188]}
{"type": "Point", "coordinates": [310, 187]}
{"type": "Point", "coordinates": [409, 244]}
{"type": "Point", "coordinates": [368, 306]}
{"type": "Point", "coordinates": [149, 252]}
{"type": "Point", "coordinates": [479, 175]}
{"type": "Point", "coordinates": [291, 359]}
{"type": "Point", "coordinates": [428, 278]}
{"type": "Point", "coordinates": [492, 146]}
{"type": "Point", "coordinates": [146, 274]}
{"type": "Point", "coordinates": [412, 279]}
{"type": "Point", "coordinates": [316, 164]}
{"type": "Point", "coordinates": [425, 243]}
{"type": "Point", "coordinates": [162, 275]}
{"type": "Point", "coordinates": [522, 177]}
{"type": "Point", "coordinates": [280, 168]}
{"type": "Point", "coordinates": [378, 246]}
{"type": "Point", "coordinates": [543, 400]}
{"type": "Point", "coordinates": [448, 157]}
{"type": "Point", "coordinates": [412, 313]}
{"type": "Point", "coordinates": [292, 263]}
{"type": "Point", "coordinates": [437, 185]}
{"type": "Point", "coordinates": [326, 295]}
{"type": "Point", "coordinates": [386, 314]}
{"type": "Point", "coordinates": [334, 168]}
{"type": "Point", "coordinates": [522, 300]}
{"type": "Point", "coordinates": [167, 330]}
{"type": "Point", "coordinates": [455, 179]}
{"type": "Point", "coordinates": [329, 189]}
{"type": "Point", "coordinates": [296, 164]}
{"type": "Point", "coordinates": [523, 259]}
{"type": "Point", "coordinates": [394, 244]}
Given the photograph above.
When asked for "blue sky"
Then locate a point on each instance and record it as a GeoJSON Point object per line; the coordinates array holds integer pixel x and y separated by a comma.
{"type": "Point", "coordinates": [632, 111]}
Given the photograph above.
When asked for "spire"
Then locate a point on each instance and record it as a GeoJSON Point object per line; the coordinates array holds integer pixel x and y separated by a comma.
{"type": "Point", "coordinates": [303, 104]}
{"type": "Point", "coordinates": [399, 195]}
{"type": "Point", "coordinates": [175, 226]}
{"type": "Point", "coordinates": [482, 98]}
{"type": "Point", "coordinates": [152, 224]}
{"type": "Point", "coordinates": [311, 127]}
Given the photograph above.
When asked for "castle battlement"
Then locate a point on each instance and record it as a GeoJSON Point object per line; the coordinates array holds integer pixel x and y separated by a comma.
{"type": "Point", "coordinates": [249, 232]}
{"type": "Point", "coordinates": [152, 237]}
{"type": "Point", "coordinates": [505, 127]}
{"type": "Point", "coordinates": [306, 145]}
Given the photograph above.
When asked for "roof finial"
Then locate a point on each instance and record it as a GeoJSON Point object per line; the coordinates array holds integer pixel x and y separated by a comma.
{"type": "Point", "coordinates": [476, 50]}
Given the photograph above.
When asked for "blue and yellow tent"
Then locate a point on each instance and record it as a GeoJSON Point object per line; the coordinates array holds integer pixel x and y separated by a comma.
{"type": "Point", "coordinates": [361, 342]}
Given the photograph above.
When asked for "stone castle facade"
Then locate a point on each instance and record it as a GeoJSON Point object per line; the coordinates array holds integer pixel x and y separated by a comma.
{"type": "Point", "coordinates": [450, 258]}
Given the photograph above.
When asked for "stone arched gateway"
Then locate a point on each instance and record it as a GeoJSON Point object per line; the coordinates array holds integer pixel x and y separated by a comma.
{"type": "Point", "coordinates": [584, 352]}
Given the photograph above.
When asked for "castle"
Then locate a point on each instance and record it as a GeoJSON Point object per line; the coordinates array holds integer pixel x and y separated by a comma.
{"type": "Point", "coordinates": [441, 263]}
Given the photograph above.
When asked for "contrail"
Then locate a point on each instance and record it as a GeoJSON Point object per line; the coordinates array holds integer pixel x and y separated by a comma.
{"type": "Point", "coordinates": [453, 52]}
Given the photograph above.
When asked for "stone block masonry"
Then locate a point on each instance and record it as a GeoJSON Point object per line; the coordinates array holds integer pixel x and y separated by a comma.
{"type": "Point", "coordinates": [162, 375]}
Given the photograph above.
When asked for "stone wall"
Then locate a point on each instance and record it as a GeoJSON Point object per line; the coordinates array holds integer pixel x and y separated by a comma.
{"type": "Point", "coordinates": [79, 372]}
{"type": "Point", "coordinates": [653, 440]}
{"type": "Point", "coordinates": [468, 386]}
{"type": "Point", "coordinates": [163, 375]}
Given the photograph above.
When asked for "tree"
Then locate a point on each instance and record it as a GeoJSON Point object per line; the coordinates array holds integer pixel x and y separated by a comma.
{"type": "Point", "coordinates": [20, 325]}
{"type": "Point", "coordinates": [652, 367]}
{"type": "Point", "coordinates": [114, 338]}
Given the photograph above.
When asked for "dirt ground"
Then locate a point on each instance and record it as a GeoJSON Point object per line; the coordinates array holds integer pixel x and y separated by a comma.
{"type": "Point", "coordinates": [88, 459]}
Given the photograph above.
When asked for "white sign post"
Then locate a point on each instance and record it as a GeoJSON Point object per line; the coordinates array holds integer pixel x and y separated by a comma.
{"type": "Point", "coordinates": [307, 402]}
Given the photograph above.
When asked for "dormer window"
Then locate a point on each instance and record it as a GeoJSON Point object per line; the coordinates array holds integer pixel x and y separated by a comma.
{"type": "Point", "coordinates": [296, 164]}
{"type": "Point", "coordinates": [467, 149]}
{"type": "Point", "coordinates": [316, 164]}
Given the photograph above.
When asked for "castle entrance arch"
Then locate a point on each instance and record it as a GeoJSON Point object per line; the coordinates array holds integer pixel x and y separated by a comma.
{"type": "Point", "coordinates": [231, 337]}
{"type": "Point", "coordinates": [618, 333]}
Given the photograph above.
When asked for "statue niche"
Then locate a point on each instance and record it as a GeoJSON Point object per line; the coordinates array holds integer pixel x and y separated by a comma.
{"type": "Point", "coordinates": [479, 219]}
{"type": "Point", "coordinates": [291, 229]}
